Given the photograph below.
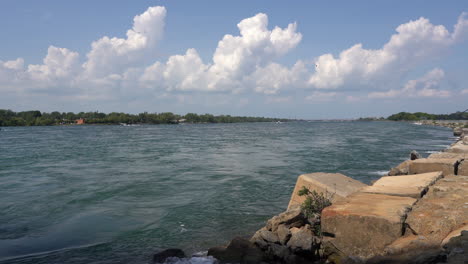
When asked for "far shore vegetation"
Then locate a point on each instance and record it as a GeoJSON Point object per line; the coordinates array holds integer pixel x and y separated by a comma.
{"type": "Point", "coordinates": [405, 116]}
{"type": "Point", "coordinates": [38, 118]}
{"type": "Point", "coordinates": [419, 116]}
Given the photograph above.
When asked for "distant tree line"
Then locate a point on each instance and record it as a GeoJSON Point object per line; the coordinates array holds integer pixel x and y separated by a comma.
{"type": "Point", "coordinates": [405, 116]}
{"type": "Point", "coordinates": [37, 118]}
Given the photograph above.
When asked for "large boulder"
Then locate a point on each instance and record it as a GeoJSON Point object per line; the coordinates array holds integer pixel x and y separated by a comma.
{"type": "Point", "coordinates": [409, 185]}
{"type": "Point", "coordinates": [447, 166]}
{"type": "Point", "coordinates": [364, 223]}
{"type": "Point", "coordinates": [162, 256]}
{"type": "Point", "coordinates": [335, 184]}
{"type": "Point", "coordinates": [441, 210]}
{"type": "Point", "coordinates": [414, 155]}
{"type": "Point", "coordinates": [457, 131]}
{"type": "Point", "coordinates": [239, 250]}
{"type": "Point", "coordinates": [302, 239]}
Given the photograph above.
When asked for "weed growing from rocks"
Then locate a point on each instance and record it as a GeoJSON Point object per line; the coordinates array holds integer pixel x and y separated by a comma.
{"type": "Point", "coordinates": [313, 205]}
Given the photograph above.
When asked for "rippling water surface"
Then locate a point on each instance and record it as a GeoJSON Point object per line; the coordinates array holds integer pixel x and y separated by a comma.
{"type": "Point", "coordinates": [114, 194]}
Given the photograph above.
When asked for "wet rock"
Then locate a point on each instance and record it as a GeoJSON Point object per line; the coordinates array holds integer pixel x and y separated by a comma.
{"type": "Point", "coordinates": [161, 257]}
{"type": "Point", "coordinates": [239, 250]}
{"type": "Point", "coordinates": [414, 155]}
{"type": "Point", "coordinates": [279, 251]}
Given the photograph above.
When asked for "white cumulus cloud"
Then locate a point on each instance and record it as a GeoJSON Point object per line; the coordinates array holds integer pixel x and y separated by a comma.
{"type": "Point", "coordinates": [426, 86]}
{"type": "Point", "coordinates": [414, 42]}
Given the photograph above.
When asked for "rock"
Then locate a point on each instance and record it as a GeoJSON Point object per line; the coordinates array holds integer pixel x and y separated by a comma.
{"type": "Point", "coordinates": [258, 240]}
{"type": "Point", "coordinates": [441, 210]}
{"type": "Point", "coordinates": [457, 131]}
{"type": "Point", "coordinates": [283, 234]}
{"type": "Point", "coordinates": [401, 169]}
{"type": "Point", "coordinates": [414, 155]}
{"type": "Point", "coordinates": [268, 236]}
{"type": "Point", "coordinates": [286, 218]}
{"type": "Point", "coordinates": [364, 223]}
{"type": "Point", "coordinates": [161, 257]}
{"type": "Point", "coordinates": [457, 249]}
{"type": "Point", "coordinates": [409, 185]}
{"type": "Point", "coordinates": [239, 250]}
{"type": "Point", "coordinates": [279, 251]}
{"type": "Point", "coordinates": [447, 166]}
{"type": "Point", "coordinates": [301, 238]}
{"type": "Point", "coordinates": [333, 183]}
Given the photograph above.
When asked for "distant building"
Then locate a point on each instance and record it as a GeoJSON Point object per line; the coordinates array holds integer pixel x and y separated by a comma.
{"type": "Point", "coordinates": [80, 121]}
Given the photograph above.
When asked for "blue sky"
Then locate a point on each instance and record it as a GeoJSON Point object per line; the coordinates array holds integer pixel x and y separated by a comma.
{"type": "Point", "coordinates": [190, 56]}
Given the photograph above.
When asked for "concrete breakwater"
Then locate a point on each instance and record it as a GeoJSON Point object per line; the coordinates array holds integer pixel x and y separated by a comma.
{"type": "Point", "coordinates": [418, 213]}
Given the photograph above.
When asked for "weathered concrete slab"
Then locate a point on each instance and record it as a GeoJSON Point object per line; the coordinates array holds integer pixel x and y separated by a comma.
{"type": "Point", "coordinates": [441, 210]}
{"type": "Point", "coordinates": [409, 185]}
{"type": "Point", "coordinates": [363, 224]}
{"type": "Point", "coordinates": [447, 166]}
{"type": "Point", "coordinates": [463, 168]}
{"type": "Point", "coordinates": [334, 183]}
{"type": "Point", "coordinates": [408, 244]}
{"type": "Point", "coordinates": [448, 155]}
{"type": "Point", "coordinates": [458, 147]}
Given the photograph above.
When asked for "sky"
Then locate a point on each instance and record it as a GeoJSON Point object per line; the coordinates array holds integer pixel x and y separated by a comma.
{"type": "Point", "coordinates": [293, 59]}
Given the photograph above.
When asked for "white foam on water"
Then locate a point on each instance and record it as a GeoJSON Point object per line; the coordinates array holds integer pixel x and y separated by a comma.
{"type": "Point", "coordinates": [431, 151]}
{"type": "Point", "coordinates": [440, 146]}
{"type": "Point", "coordinates": [381, 172]}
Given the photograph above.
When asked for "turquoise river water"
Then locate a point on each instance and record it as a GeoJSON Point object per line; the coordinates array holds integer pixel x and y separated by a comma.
{"type": "Point", "coordinates": [117, 194]}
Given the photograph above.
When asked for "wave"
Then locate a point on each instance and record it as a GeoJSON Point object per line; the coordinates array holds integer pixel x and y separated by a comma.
{"type": "Point", "coordinates": [380, 172]}
{"type": "Point", "coordinates": [431, 151]}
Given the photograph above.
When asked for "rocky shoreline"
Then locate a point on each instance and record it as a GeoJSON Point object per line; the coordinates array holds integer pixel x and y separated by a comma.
{"type": "Point", "coordinates": [417, 213]}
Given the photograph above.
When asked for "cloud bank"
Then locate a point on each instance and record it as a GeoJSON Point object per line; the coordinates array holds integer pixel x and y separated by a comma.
{"type": "Point", "coordinates": [246, 63]}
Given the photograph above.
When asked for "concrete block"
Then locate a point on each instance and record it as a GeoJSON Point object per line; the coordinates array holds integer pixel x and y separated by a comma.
{"type": "Point", "coordinates": [409, 185]}
{"type": "Point", "coordinates": [441, 210]}
{"type": "Point", "coordinates": [463, 168]}
{"type": "Point", "coordinates": [333, 183]}
{"type": "Point", "coordinates": [363, 223]}
{"type": "Point", "coordinates": [447, 166]}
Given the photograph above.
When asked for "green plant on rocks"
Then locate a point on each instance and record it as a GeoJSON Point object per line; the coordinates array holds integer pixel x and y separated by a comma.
{"type": "Point", "coordinates": [313, 205]}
